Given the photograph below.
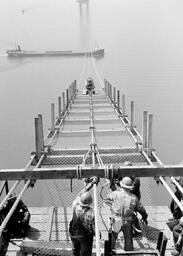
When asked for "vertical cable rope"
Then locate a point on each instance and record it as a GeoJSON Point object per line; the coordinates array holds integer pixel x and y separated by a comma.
{"type": "Point", "coordinates": [95, 185]}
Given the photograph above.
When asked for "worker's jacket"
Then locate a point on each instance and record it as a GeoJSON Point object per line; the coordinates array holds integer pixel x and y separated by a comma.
{"type": "Point", "coordinates": [124, 205]}
{"type": "Point", "coordinates": [83, 222]}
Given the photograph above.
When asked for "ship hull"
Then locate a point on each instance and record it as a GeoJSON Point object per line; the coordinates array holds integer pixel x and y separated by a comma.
{"type": "Point", "coordinates": [20, 53]}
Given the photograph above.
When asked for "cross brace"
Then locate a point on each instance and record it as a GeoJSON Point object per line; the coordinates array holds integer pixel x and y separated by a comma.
{"type": "Point", "coordinates": [79, 172]}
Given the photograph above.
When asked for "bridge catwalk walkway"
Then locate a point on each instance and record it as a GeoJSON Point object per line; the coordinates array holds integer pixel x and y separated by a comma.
{"type": "Point", "coordinates": [91, 135]}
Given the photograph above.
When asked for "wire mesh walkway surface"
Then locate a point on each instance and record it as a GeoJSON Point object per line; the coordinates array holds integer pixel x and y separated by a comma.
{"type": "Point", "coordinates": [91, 131]}
{"type": "Point", "coordinates": [48, 224]}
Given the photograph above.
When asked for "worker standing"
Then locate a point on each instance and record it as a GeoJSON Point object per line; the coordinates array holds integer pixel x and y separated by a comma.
{"type": "Point", "coordinates": [178, 238]}
{"type": "Point", "coordinates": [82, 225]}
{"type": "Point", "coordinates": [124, 204]}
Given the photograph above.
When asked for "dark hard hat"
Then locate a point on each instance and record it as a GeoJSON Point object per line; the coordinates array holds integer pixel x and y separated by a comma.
{"type": "Point", "coordinates": [86, 199]}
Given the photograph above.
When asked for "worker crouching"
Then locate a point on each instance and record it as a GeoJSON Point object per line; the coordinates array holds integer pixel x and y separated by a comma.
{"type": "Point", "coordinates": [82, 225]}
{"type": "Point", "coordinates": [18, 223]}
{"type": "Point", "coordinates": [124, 204]}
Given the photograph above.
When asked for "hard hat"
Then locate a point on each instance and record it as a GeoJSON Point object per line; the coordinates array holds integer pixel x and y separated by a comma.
{"type": "Point", "coordinates": [127, 163]}
{"type": "Point", "coordinates": [181, 221]}
{"type": "Point", "coordinates": [86, 199]}
{"type": "Point", "coordinates": [126, 182]}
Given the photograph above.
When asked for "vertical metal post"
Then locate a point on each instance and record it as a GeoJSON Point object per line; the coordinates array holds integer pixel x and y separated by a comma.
{"type": "Point", "coordinates": [132, 115]}
{"type": "Point", "coordinates": [118, 99]}
{"type": "Point", "coordinates": [150, 135]}
{"type": "Point", "coordinates": [144, 142]}
{"type": "Point", "coordinates": [114, 95]}
{"type": "Point", "coordinates": [38, 137]}
{"type": "Point", "coordinates": [6, 187]}
{"type": "Point", "coordinates": [41, 127]}
{"type": "Point", "coordinates": [75, 86]}
{"type": "Point", "coordinates": [163, 247]}
{"type": "Point", "coordinates": [63, 100]}
{"type": "Point", "coordinates": [70, 92]}
{"type": "Point", "coordinates": [105, 87]}
{"type": "Point", "coordinates": [160, 239]}
{"type": "Point", "coordinates": [59, 108]}
{"type": "Point", "coordinates": [67, 98]}
{"type": "Point", "coordinates": [52, 117]}
{"type": "Point", "coordinates": [110, 91]}
{"type": "Point", "coordinates": [123, 106]}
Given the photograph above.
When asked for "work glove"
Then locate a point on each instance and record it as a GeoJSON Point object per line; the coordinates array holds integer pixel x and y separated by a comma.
{"type": "Point", "coordinates": [178, 246]}
{"type": "Point", "coordinates": [100, 235]}
{"type": "Point", "coordinates": [95, 180]}
{"type": "Point", "coordinates": [144, 221]}
{"type": "Point", "coordinates": [90, 182]}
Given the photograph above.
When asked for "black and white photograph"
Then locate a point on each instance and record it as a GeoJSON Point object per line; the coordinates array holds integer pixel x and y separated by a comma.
{"type": "Point", "coordinates": [91, 127]}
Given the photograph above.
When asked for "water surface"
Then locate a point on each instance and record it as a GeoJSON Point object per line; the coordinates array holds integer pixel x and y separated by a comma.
{"type": "Point", "coordinates": [143, 44]}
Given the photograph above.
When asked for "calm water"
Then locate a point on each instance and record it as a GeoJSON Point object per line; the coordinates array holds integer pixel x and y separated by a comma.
{"type": "Point", "coordinates": [143, 43]}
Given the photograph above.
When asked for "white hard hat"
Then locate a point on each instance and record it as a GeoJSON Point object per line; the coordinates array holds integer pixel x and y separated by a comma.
{"type": "Point", "coordinates": [126, 182]}
{"type": "Point", "coordinates": [127, 163]}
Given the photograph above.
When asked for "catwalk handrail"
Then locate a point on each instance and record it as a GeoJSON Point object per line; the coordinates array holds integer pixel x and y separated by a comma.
{"type": "Point", "coordinates": [79, 172]}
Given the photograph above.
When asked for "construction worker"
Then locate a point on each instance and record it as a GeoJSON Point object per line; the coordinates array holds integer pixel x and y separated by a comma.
{"type": "Point", "coordinates": [135, 183]}
{"type": "Point", "coordinates": [18, 223]}
{"type": "Point", "coordinates": [178, 238]}
{"type": "Point", "coordinates": [174, 208]}
{"type": "Point", "coordinates": [82, 225]}
{"type": "Point", "coordinates": [136, 191]}
{"type": "Point", "coordinates": [124, 204]}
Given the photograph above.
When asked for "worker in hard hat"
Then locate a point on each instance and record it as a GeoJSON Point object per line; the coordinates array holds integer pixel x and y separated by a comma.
{"type": "Point", "coordinates": [82, 225]}
{"type": "Point", "coordinates": [124, 204]}
{"type": "Point", "coordinates": [136, 191]}
{"type": "Point", "coordinates": [135, 182]}
{"type": "Point", "coordinates": [174, 208]}
{"type": "Point", "coordinates": [178, 237]}
{"type": "Point", "coordinates": [18, 223]}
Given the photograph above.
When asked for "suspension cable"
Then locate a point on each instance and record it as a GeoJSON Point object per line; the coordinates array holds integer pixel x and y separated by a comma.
{"type": "Point", "coordinates": [83, 68]}
{"type": "Point", "coordinates": [95, 185]}
{"type": "Point", "coordinates": [97, 73]}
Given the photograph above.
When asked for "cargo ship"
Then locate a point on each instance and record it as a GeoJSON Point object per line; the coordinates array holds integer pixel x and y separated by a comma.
{"type": "Point", "coordinates": [97, 52]}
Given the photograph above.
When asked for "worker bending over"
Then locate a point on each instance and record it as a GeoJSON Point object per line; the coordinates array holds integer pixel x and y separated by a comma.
{"type": "Point", "coordinates": [18, 223]}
